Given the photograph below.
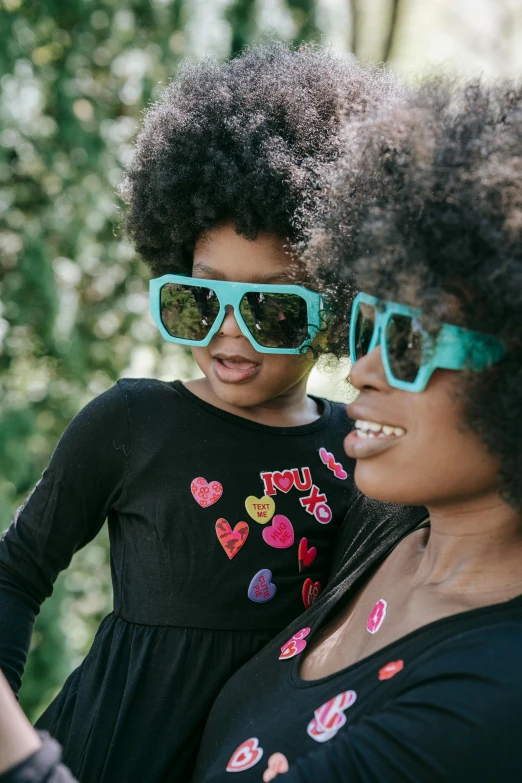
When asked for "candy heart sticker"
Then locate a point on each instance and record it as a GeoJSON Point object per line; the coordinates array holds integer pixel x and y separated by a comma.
{"type": "Point", "coordinates": [280, 534]}
{"type": "Point", "coordinates": [260, 509]}
{"type": "Point", "coordinates": [311, 591]}
{"type": "Point", "coordinates": [231, 540]}
{"type": "Point", "coordinates": [295, 645]}
{"type": "Point", "coordinates": [330, 717]}
{"type": "Point", "coordinates": [284, 481]}
{"type": "Point", "coordinates": [246, 756]}
{"type": "Point", "coordinates": [377, 615]}
{"type": "Point", "coordinates": [204, 492]}
{"type": "Point", "coordinates": [390, 670]}
{"type": "Point", "coordinates": [305, 556]}
{"type": "Point", "coordinates": [261, 588]}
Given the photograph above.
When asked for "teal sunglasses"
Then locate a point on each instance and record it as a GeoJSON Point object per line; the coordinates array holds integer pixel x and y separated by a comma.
{"type": "Point", "coordinates": [274, 318]}
{"type": "Point", "coordinates": [409, 354]}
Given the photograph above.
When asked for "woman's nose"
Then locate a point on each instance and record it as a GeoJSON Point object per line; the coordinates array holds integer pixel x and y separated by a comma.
{"type": "Point", "coordinates": [229, 327]}
{"type": "Point", "coordinates": [368, 372]}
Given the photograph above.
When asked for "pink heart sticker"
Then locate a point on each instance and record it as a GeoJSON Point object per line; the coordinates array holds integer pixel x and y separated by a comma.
{"type": "Point", "coordinates": [205, 493]}
{"type": "Point", "coordinates": [377, 615]}
{"type": "Point", "coordinates": [295, 645]}
{"type": "Point", "coordinates": [280, 534]}
{"type": "Point", "coordinates": [246, 756]}
{"type": "Point", "coordinates": [284, 481]}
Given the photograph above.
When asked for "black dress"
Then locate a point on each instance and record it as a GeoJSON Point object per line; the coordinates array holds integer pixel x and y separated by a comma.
{"type": "Point", "coordinates": [440, 705]}
{"type": "Point", "coordinates": [202, 579]}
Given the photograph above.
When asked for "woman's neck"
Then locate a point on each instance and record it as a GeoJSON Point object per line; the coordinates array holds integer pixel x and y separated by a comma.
{"type": "Point", "coordinates": [291, 408]}
{"type": "Point", "coordinates": [472, 547]}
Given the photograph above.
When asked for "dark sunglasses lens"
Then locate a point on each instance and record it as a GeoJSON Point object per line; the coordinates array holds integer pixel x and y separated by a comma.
{"type": "Point", "coordinates": [364, 328]}
{"type": "Point", "coordinates": [275, 320]}
{"type": "Point", "coordinates": [188, 312]}
{"type": "Point", "coordinates": [405, 347]}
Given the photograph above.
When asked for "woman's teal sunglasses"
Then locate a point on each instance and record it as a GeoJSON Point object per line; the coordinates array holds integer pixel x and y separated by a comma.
{"type": "Point", "coordinates": [274, 318]}
{"type": "Point", "coordinates": [409, 354]}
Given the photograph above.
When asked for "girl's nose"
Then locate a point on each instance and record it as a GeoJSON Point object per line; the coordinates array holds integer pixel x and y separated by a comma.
{"type": "Point", "coordinates": [368, 372]}
{"type": "Point", "coordinates": [229, 327]}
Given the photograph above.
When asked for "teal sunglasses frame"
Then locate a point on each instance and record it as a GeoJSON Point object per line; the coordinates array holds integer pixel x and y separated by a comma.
{"type": "Point", "coordinates": [231, 294]}
{"type": "Point", "coordinates": [454, 348]}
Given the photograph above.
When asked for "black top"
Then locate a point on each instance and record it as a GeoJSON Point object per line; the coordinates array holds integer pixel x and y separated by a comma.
{"type": "Point", "coordinates": [200, 583]}
{"type": "Point", "coordinates": [440, 705]}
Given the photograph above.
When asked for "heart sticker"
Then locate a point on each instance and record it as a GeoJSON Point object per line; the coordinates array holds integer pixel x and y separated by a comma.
{"type": "Point", "coordinates": [231, 540]}
{"type": "Point", "coordinates": [295, 645]}
{"type": "Point", "coordinates": [283, 481]}
{"type": "Point", "coordinates": [260, 509]}
{"type": "Point", "coordinates": [390, 670]}
{"type": "Point", "coordinates": [330, 717]}
{"type": "Point", "coordinates": [305, 556]}
{"type": "Point", "coordinates": [311, 592]}
{"type": "Point", "coordinates": [246, 756]}
{"type": "Point", "coordinates": [377, 615]}
{"type": "Point", "coordinates": [280, 534]}
{"type": "Point", "coordinates": [205, 493]}
{"type": "Point", "coordinates": [261, 588]}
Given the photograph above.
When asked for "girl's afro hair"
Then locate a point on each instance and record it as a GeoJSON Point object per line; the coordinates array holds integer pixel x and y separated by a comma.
{"type": "Point", "coordinates": [241, 142]}
{"type": "Point", "coordinates": [426, 209]}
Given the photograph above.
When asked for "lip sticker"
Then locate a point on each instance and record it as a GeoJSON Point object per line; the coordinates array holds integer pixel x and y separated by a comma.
{"type": "Point", "coordinates": [261, 589]}
{"type": "Point", "coordinates": [330, 717]}
{"type": "Point", "coordinates": [280, 534]}
{"type": "Point", "coordinates": [390, 670]}
{"type": "Point", "coordinates": [231, 540]}
{"type": "Point", "coordinates": [328, 459]}
{"type": "Point", "coordinates": [204, 492]}
{"type": "Point", "coordinates": [246, 756]}
{"type": "Point", "coordinates": [311, 592]}
{"type": "Point", "coordinates": [260, 509]}
{"type": "Point", "coordinates": [305, 556]}
{"type": "Point", "coordinates": [376, 618]}
{"type": "Point", "coordinates": [295, 645]}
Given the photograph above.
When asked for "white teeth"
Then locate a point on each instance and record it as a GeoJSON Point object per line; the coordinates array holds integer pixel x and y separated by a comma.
{"type": "Point", "coordinates": [372, 429]}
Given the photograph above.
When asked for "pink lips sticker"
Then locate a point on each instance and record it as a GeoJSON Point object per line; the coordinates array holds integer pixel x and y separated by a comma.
{"type": "Point", "coordinates": [246, 756]}
{"type": "Point", "coordinates": [205, 493]}
{"type": "Point", "coordinates": [376, 618]}
{"type": "Point", "coordinates": [280, 534]}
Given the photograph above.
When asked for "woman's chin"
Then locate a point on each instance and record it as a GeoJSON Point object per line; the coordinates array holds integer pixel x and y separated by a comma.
{"type": "Point", "coordinates": [384, 484]}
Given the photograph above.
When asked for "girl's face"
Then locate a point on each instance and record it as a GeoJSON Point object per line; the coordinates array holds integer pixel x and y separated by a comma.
{"type": "Point", "coordinates": [236, 372]}
{"type": "Point", "coordinates": [429, 458]}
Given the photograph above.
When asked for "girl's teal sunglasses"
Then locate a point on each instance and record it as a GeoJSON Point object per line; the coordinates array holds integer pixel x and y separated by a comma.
{"type": "Point", "coordinates": [409, 354]}
{"type": "Point", "coordinates": [274, 318]}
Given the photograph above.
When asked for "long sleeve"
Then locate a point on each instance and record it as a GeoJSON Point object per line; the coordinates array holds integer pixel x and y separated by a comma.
{"type": "Point", "coordinates": [41, 767]}
{"type": "Point", "coordinates": [65, 511]}
{"type": "Point", "coordinates": [456, 720]}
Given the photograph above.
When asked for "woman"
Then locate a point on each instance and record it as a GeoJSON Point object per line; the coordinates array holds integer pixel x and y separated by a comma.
{"type": "Point", "coordinates": [409, 669]}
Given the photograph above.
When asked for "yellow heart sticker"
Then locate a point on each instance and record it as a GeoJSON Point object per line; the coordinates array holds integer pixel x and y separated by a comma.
{"type": "Point", "coordinates": [260, 509]}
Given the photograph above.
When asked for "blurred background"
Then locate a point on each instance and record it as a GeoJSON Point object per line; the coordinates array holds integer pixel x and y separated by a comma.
{"type": "Point", "coordinates": [75, 78]}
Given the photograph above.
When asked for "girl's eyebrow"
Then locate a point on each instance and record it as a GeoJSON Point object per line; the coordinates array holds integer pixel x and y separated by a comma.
{"type": "Point", "coordinates": [200, 268]}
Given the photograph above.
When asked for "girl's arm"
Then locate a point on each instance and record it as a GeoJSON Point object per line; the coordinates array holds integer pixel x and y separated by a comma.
{"type": "Point", "coordinates": [23, 758]}
{"type": "Point", "coordinates": [66, 509]}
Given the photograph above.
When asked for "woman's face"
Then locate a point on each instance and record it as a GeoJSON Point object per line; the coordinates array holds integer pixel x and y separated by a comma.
{"type": "Point", "coordinates": [430, 458]}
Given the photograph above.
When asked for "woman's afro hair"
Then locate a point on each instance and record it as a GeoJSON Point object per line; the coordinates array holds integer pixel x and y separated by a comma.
{"type": "Point", "coordinates": [241, 142]}
{"type": "Point", "coordinates": [426, 209]}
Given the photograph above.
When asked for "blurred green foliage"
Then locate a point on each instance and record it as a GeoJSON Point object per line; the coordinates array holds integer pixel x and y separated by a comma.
{"type": "Point", "coordinates": [75, 79]}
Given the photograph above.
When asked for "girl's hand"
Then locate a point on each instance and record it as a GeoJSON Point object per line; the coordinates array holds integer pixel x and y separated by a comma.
{"type": "Point", "coordinates": [18, 739]}
{"type": "Point", "coordinates": [277, 765]}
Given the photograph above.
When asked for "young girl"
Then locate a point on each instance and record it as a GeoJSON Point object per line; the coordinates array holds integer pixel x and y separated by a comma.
{"type": "Point", "coordinates": [224, 496]}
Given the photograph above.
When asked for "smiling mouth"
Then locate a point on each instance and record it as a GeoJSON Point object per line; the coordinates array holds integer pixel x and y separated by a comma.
{"type": "Point", "coordinates": [372, 429]}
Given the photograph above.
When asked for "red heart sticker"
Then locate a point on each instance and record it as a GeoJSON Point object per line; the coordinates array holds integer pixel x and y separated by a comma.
{"type": "Point", "coordinates": [284, 481]}
{"type": "Point", "coordinates": [311, 592]}
{"type": "Point", "coordinates": [246, 756]}
{"type": "Point", "coordinates": [205, 493]}
{"type": "Point", "coordinates": [305, 556]}
{"type": "Point", "coordinates": [231, 540]}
